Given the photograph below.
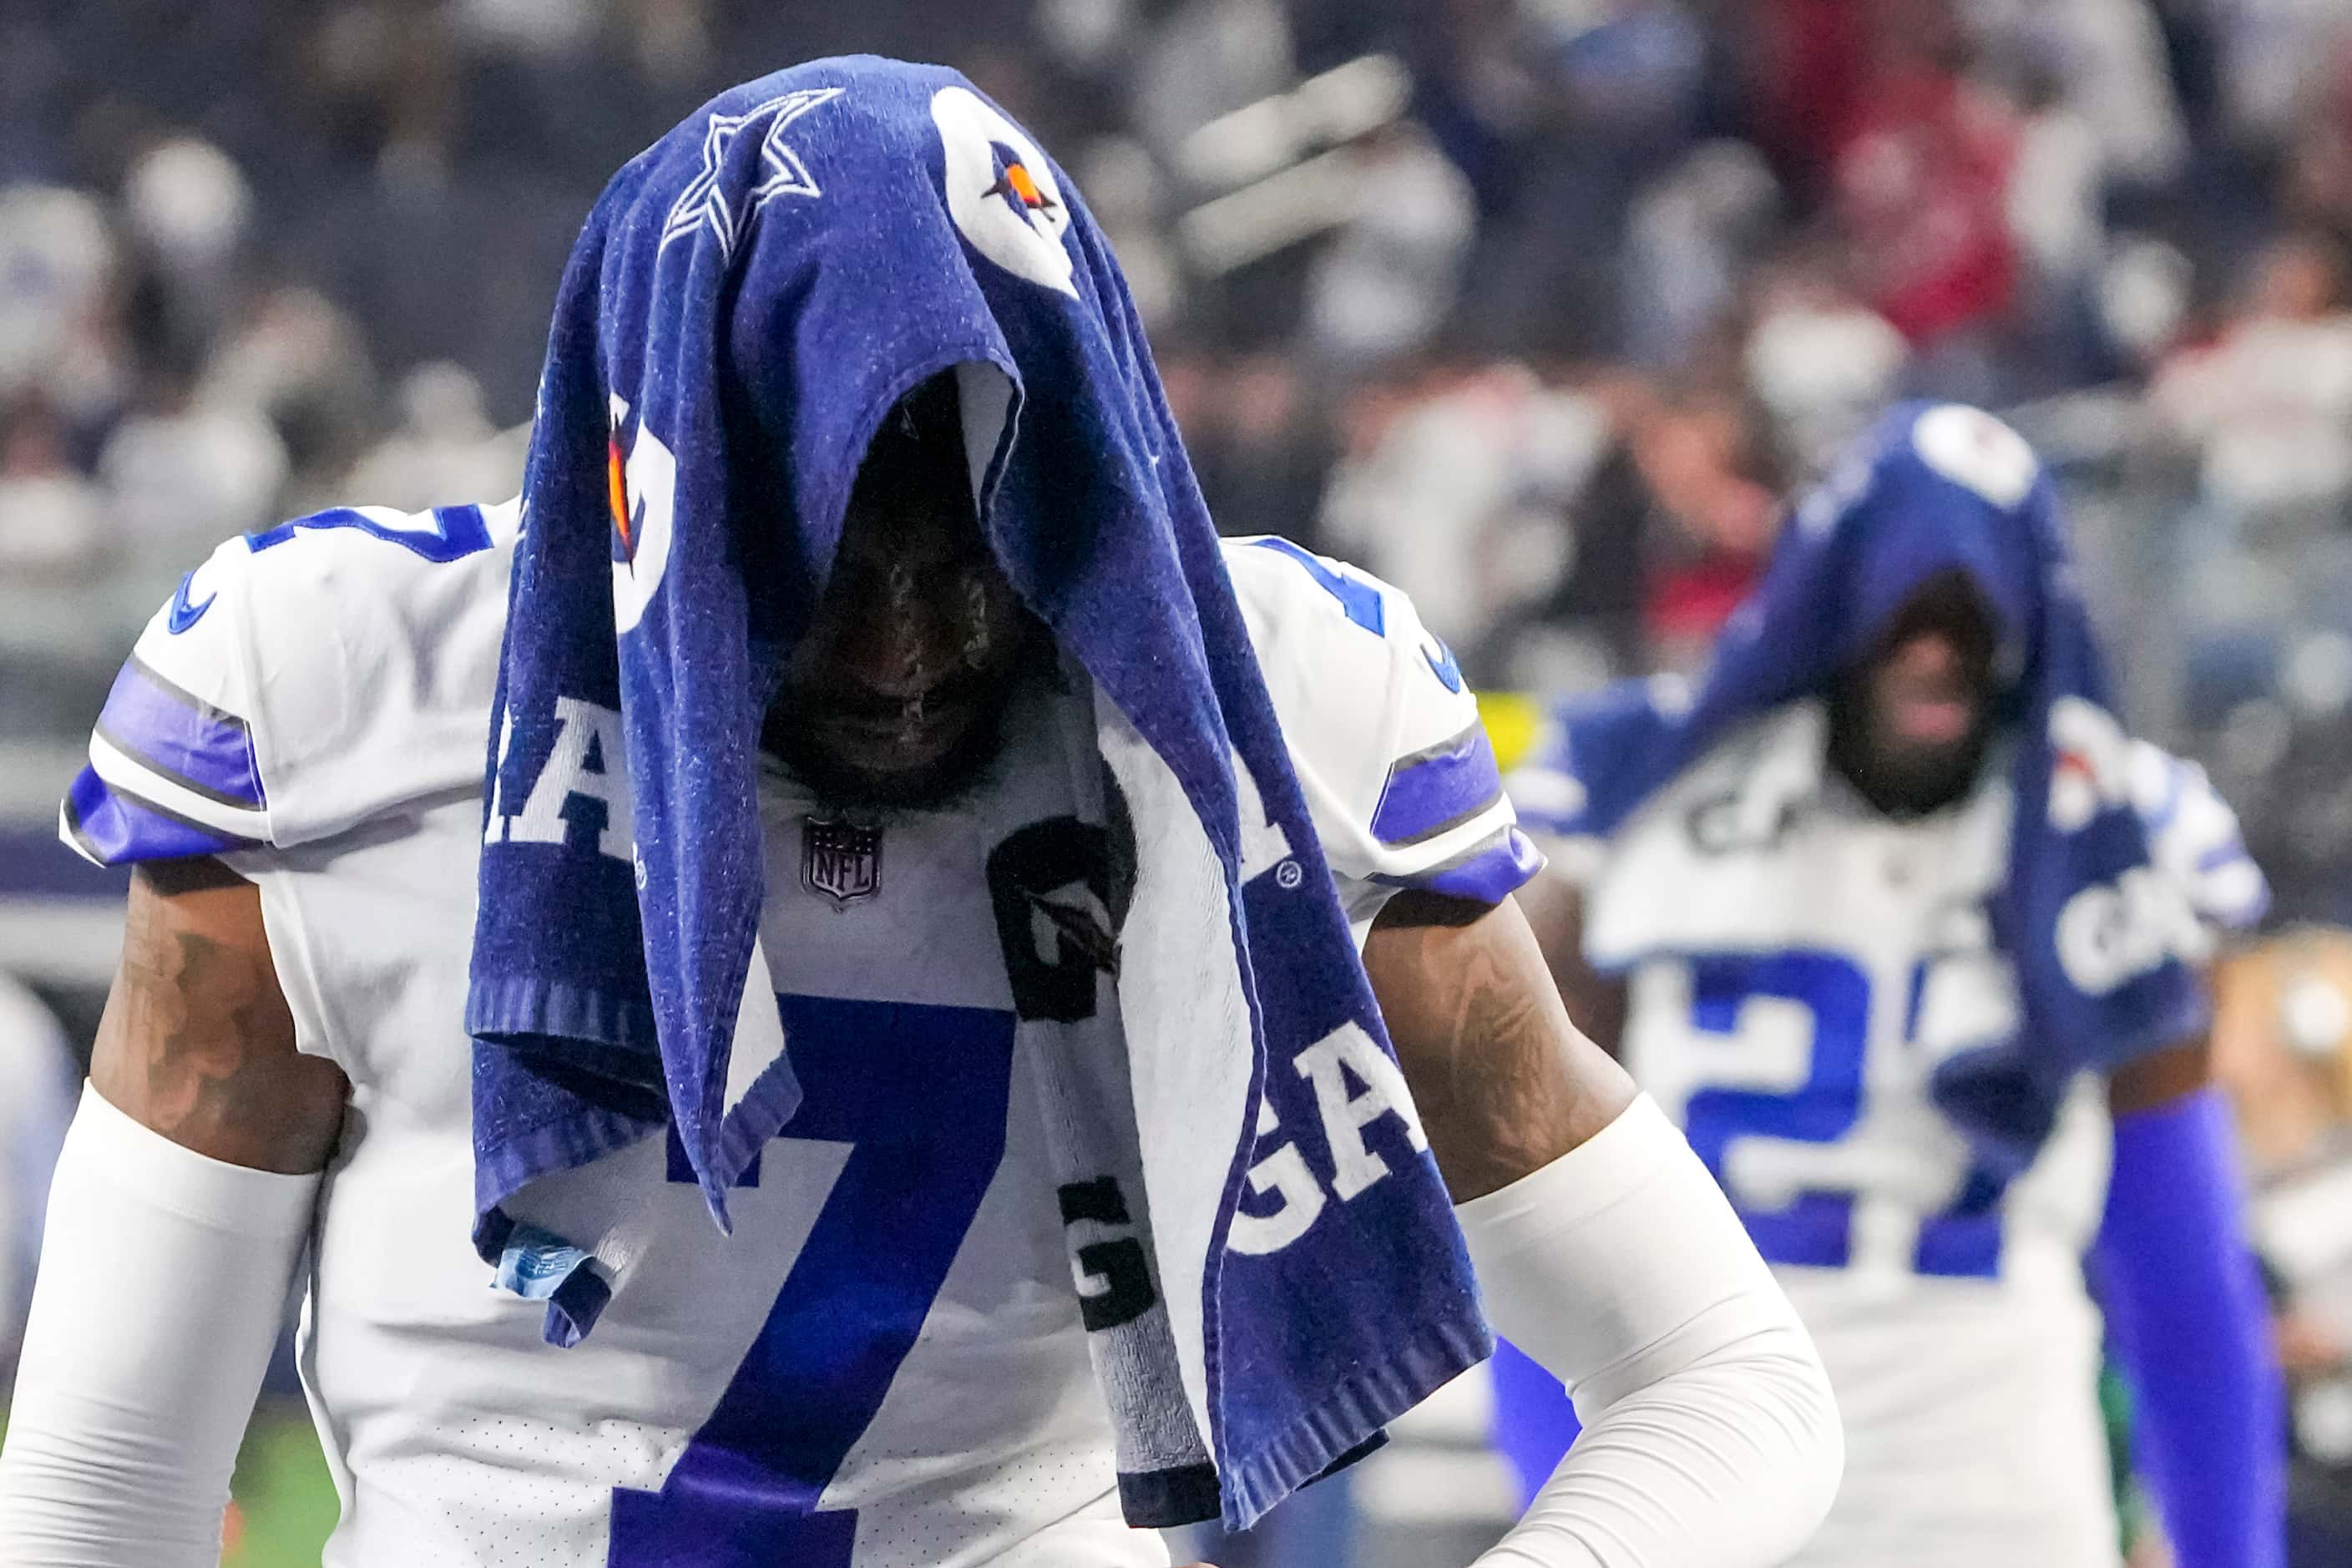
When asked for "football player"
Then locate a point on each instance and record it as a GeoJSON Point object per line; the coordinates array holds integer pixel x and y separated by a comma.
{"type": "Point", "coordinates": [1911, 1042]}
{"type": "Point", "coordinates": [292, 759]}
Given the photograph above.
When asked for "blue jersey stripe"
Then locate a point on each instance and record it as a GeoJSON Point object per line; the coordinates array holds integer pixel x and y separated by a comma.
{"type": "Point", "coordinates": [181, 737]}
{"type": "Point", "coordinates": [1361, 601]}
{"type": "Point", "coordinates": [1488, 874]}
{"type": "Point", "coordinates": [1440, 788]}
{"type": "Point", "coordinates": [458, 531]}
{"type": "Point", "coordinates": [115, 827]}
{"type": "Point", "coordinates": [2221, 855]}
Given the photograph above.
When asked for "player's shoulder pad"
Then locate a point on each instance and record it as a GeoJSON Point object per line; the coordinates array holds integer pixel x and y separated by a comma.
{"type": "Point", "coordinates": [250, 697]}
{"type": "Point", "coordinates": [1355, 677]}
{"type": "Point", "coordinates": [1382, 730]}
{"type": "Point", "coordinates": [173, 767]}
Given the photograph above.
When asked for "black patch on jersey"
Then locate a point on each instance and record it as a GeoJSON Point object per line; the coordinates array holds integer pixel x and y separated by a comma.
{"type": "Point", "coordinates": [1714, 829]}
{"type": "Point", "coordinates": [1117, 1269]}
{"type": "Point", "coordinates": [1056, 877]}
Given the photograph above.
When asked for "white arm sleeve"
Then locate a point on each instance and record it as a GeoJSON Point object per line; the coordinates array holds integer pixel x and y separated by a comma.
{"type": "Point", "coordinates": [1710, 1439]}
{"type": "Point", "coordinates": [163, 1277]}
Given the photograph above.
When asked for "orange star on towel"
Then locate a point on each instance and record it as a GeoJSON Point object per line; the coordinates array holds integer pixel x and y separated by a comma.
{"type": "Point", "coordinates": [617, 494]}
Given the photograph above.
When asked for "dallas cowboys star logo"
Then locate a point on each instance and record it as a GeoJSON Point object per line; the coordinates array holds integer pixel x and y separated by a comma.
{"type": "Point", "coordinates": [784, 174]}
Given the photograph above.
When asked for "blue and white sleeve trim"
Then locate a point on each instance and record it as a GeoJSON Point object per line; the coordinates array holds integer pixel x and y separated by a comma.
{"type": "Point", "coordinates": [1445, 825]}
{"type": "Point", "coordinates": [170, 775]}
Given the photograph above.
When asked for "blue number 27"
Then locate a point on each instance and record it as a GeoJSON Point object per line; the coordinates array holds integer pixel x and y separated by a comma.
{"type": "Point", "coordinates": [1818, 1227]}
{"type": "Point", "coordinates": [921, 1093]}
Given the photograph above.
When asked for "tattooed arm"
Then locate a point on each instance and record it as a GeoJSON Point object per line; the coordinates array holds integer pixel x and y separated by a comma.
{"type": "Point", "coordinates": [176, 1221]}
{"type": "Point", "coordinates": [1554, 905]}
{"type": "Point", "coordinates": [1504, 1081]}
{"type": "Point", "coordinates": [1606, 1253]}
{"type": "Point", "coordinates": [196, 1042]}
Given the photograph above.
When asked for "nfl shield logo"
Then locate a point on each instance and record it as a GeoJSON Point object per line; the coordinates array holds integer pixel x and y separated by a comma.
{"type": "Point", "coordinates": [841, 859]}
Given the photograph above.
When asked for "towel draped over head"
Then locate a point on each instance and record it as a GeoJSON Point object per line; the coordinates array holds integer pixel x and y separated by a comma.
{"type": "Point", "coordinates": [748, 300]}
{"type": "Point", "coordinates": [2100, 942]}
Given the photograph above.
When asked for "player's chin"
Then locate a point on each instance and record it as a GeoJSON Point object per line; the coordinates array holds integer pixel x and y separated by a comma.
{"type": "Point", "coordinates": [1919, 776]}
{"type": "Point", "coordinates": [883, 752]}
{"type": "Point", "coordinates": [923, 772]}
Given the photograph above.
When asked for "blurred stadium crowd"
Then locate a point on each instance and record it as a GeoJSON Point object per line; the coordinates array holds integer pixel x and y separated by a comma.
{"type": "Point", "coordinates": [1536, 308]}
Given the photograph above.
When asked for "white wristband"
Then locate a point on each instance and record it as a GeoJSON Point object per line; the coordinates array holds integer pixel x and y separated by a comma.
{"type": "Point", "coordinates": [163, 1278]}
{"type": "Point", "coordinates": [1710, 1439]}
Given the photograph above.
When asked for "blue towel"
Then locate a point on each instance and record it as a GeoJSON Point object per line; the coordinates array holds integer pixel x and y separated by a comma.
{"type": "Point", "coordinates": [749, 299]}
{"type": "Point", "coordinates": [2100, 942]}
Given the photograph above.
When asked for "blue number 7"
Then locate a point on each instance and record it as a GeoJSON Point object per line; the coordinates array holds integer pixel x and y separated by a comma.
{"type": "Point", "coordinates": [1818, 1227]}
{"type": "Point", "coordinates": [921, 1093]}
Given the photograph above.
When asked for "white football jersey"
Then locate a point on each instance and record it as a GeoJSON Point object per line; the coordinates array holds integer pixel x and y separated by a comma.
{"type": "Point", "coordinates": [1797, 964]}
{"type": "Point", "coordinates": [875, 1370]}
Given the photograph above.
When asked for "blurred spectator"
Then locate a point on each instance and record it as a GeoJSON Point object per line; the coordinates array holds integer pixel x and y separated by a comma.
{"type": "Point", "coordinates": [2282, 1030]}
{"type": "Point", "coordinates": [674, 40]}
{"type": "Point", "coordinates": [1806, 66]}
{"type": "Point", "coordinates": [302, 361]}
{"type": "Point", "coordinates": [2104, 61]}
{"type": "Point", "coordinates": [2282, 1052]}
{"type": "Point", "coordinates": [1817, 359]}
{"type": "Point", "coordinates": [1387, 282]}
{"type": "Point", "coordinates": [1590, 626]}
{"type": "Point", "coordinates": [1923, 199]}
{"type": "Point", "coordinates": [2267, 404]}
{"type": "Point", "coordinates": [2145, 293]}
{"type": "Point", "coordinates": [2054, 212]}
{"type": "Point", "coordinates": [1562, 114]}
{"type": "Point", "coordinates": [445, 451]}
{"type": "Point", "coordinates": [186, 207]}
{"type": "Point", "coordinates": [1204, 59]}
{"type": "Point", "coordinates": [2272, 703]}
{"type": "Point", "coordinates": [381, 82]}
{"type": "Point", "coordinates": [57, 262]}
{"type": "Point", "coordinates": [1125, 185]}
{"type": "Point", "coordinates": [2277, 56]}
{"type": "Point", "coordinates": [1688, 243]}
{"type": "Point", "coordinates": [2315, 188]}
{"type": "Point", "coordinates": [1258, 445]}
{"type": "Point", "coordinates": [49, 514]}
{"type": "Point", "coordinates": [537, 29]}
{"type": "Point", "coordinates": [1463, 489]}
{"type": "Point", "coordinates": [1627, 70]}
{"type": "Point", "coordinates": [38, 1082]}
{"type": "Point", "coordinates": [182, 473]}
{"type": "Point", "coordinates": [1708, 483]}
